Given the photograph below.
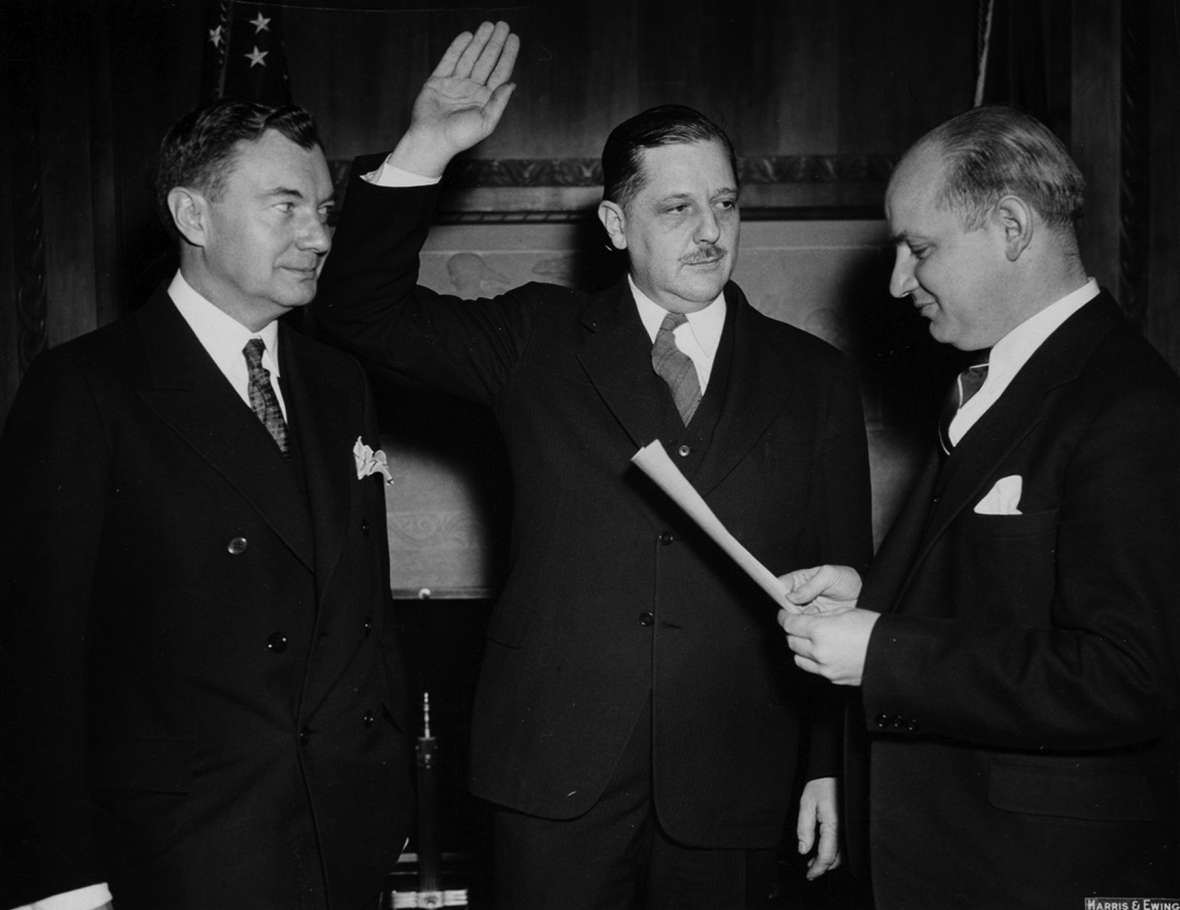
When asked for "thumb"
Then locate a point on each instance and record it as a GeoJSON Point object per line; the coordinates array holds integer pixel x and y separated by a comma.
{"type": "Point", "coordinates": [497, 104]}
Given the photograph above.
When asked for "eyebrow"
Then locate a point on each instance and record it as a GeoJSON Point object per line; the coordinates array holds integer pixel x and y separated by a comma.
{"type": "Point", "coordinates": [298, 194]}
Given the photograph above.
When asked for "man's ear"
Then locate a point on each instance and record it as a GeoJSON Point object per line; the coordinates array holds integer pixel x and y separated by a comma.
{"type": "Point", "coordinates": [1014, 219]}
{"type": "Point", "coordinates": [190, 214]}
{"type": "Point", "coordinates": [613, 221]}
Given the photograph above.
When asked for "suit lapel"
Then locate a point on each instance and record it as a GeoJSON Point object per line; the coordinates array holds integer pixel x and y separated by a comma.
{"type": "Point", "coordinates": [616, 355]}
{"type": "Point", "coordinates": [326, 424]}
{"type": "Point", "coordinates": [184, 387]}
{"type": "Point", "coordinates": [754, 393]}
{"type": "Point", "coordinates": [1023, 405]}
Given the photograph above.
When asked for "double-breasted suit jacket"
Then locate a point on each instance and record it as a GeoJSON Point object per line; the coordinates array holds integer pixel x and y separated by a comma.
{"type": "Point", "coordinates": [1020, 690]}
{"type": "Point", "coordinates": [204, 699]}
{"type": "Point", "coordinates": [612, 596]}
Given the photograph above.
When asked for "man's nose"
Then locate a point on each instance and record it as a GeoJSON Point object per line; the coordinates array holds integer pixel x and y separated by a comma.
{"type": "Point", "coordinates": [902, 280]}
{"type": "Point", "coordinates": [315, 235]}
{"type": "Point", "coordinates": [708, 227]}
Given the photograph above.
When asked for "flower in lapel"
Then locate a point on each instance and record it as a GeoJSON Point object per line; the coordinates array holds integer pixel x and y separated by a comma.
{"type": "Point", "coordinates": [370, 462]}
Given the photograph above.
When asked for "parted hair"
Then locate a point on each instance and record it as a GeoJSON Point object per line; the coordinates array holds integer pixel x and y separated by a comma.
{"type": "Point", "coordinates": [668, 124]}
{"type": "Point", "coordinates": [198, 150]}
{"type": "Point", "coordinates": [994, 151]}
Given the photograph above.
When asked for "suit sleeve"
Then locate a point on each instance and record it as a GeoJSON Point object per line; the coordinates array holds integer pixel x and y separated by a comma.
{"type": "Point", "coordinates": [369, 301]}
{"type": "Point", "coordinates": [1098, 672]}
{"type": "Point", "coordinates": [53, 478]}
{"type": "Point", "coordinates": [841, 509]}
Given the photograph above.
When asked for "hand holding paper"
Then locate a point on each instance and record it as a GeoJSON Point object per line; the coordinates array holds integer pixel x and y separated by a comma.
{"type": "Point", "coordinates": [653, 460]}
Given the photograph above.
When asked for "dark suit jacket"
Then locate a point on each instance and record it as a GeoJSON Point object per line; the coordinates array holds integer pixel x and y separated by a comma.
{"type": "Point", "coordinates": [613, 597]}
{"type": "Point", "coordinates": [203, 697]}
{"type": "Point", "coordinates": [1020, 690]}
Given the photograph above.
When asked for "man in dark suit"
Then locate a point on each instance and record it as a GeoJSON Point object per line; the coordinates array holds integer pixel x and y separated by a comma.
{"type": "Point", "coordinates": [636, 726]}
{"type": "Point", "coordinates": [203, 705]}
{"type": "Point", "coordinates": [1017, 639]}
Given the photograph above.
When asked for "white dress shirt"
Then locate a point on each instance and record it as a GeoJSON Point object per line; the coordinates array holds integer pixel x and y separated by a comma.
{"type": "Point", "coordinates": [699, 337]}
{"type": "Point", "coordinates": [1012, 352]}
{"type": "Point", "coordinates": [223, 337]}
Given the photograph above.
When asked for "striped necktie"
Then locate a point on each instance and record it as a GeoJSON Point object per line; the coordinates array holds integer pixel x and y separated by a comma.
{"type": "Point", "coordinates": [675, 367]}
{"type": "Point", "coordinates": [966, 384]}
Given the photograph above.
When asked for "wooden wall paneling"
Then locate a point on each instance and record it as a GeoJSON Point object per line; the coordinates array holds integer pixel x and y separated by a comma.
{"type": "Point", "coordinates": [904, 67]}
{"type": "Point", "coordinates": [156, 56]}
{"type": "Point", "coordinates": [66, 84]}
{"type": "Point", "coordinates": [108, 238]}
{"type": "Point", "coordinates": [1095, 138]}
{"type": "Point", "coordinates": [10, 366]}
{"type": "Point", "coordinates": [24, 226]}
{"type": "Point", "coordinates": [1162, 304]}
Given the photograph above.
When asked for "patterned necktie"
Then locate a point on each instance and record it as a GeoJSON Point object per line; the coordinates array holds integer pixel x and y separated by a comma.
{"type": "Point", "coordinates": [675, 367]}
{"type": "Point", "coordinates": [966, 384]}
{"type": "Point", "coordinates": [263, 400]}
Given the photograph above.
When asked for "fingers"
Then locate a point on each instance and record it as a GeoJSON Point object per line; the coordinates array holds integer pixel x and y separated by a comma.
{"type": "Point", "coordinates": [489, 55]}
{"type": "Point", "coordinates": [811, 583]}
{"type": "Point", "coordinates": [471, 55]}
{"type": "Point", "coordinates": [805, 825]}
{"type": "Point", "coordinates": [497, 103]}
{"type": "Point", "coordinates": [827, 855]}
{"type": "Point", "coordinates": [446, 66]}
{"type": "Point", "coordinates": [507, 61]}
{"type": "Point", "coordinates": [809, 665]}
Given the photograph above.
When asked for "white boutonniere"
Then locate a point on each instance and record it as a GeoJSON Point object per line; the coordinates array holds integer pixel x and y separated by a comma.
{"type": "Point", "coordinates": [370, 462]}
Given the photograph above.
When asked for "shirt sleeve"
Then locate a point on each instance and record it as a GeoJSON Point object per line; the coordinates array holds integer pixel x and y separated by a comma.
{"type": "Point", "coordinates": [388, 175]}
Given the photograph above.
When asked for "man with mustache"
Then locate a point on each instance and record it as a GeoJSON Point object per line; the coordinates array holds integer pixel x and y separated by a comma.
{"type": "Point", "coordinates": [202, 702]}
{"type": "Point", "coordinates": [1016, 642]}
{"type": "Point", "coordinates": [641, 740]}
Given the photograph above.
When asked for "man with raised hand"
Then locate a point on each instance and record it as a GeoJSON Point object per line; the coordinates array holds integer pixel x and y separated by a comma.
{"type": "Point", "coordinates": [641, 735]}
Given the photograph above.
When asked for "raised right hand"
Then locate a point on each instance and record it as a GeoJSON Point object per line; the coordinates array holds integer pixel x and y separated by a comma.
{"type": "Point", "coordinates": [462, 101]}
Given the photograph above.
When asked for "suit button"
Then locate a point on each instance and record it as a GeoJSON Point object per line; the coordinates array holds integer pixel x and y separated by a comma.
{"type": "Point", "coordinates": [365, 527]}
{"type": "Point", "coordinates": [911, 726]}
{"type": "Point", "coordinates": [898, 722]}
{"type": "Point", "coordinates": [368, 626]}
{"type": "Point", "coordinates": [882, 720]}
{"type": "Point", "coordinates": [304, 736]}
{"type": "Point", "coordinates": [237, 546]}
{"type": "Point", "coordinates": [684, 451]}
{"type": "Point", "coordinates": [646, 618]}
{"type": "Point", "coordinates": [277, 642]}
{"type": "Point", "coordinates": [666, 538]}
{"type": "Point", "coordinates": [367, 718]}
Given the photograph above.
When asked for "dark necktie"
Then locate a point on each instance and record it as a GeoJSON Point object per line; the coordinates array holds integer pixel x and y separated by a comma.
{"type": "Point", "coordinates": [675, 367]}
{"type": "Point", "coordinates": [966, 384]}
{"type": "Point", "coordinates": [263, 400]}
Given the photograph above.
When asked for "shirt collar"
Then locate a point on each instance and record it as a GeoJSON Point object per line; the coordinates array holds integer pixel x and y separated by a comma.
{"type": "Point", "coordinates": [1012, 351]}
{"type": "Point", "coordinates": [706, 323]}
{"type": "Point", "coordinates": [219, 333]}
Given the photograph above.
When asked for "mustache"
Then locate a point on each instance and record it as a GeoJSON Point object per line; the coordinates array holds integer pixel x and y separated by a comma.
{"type": "Point", "coordinates": [705, 254]}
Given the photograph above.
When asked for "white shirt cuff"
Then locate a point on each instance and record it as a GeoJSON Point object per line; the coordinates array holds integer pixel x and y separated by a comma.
{"type": "Point", "coordinates": [87, 898]}
{"type": "Point", "coordinates": [388, 175]}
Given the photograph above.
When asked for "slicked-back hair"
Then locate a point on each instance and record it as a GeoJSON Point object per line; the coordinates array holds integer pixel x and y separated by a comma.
{"type": "Point", "coordinates": [668, 124]}
{"type": "Point", "coordinates": [198, 150]}
{"type": "Point", "coordinates": [994, 151]}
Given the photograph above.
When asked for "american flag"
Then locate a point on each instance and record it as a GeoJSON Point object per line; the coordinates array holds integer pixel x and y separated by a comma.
{"type": "Point", "coordinates": [244, 53]}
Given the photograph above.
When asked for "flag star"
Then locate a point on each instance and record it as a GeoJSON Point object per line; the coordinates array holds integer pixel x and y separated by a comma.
{"type": "Point", "coordinates": [260, 23]}
{"type": "Point", "coordinates": [256, 57]}
{"type": "Point", "coordinates": [215, 36]}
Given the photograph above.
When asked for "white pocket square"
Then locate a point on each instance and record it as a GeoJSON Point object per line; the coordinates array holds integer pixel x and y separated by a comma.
{"type": "Point", "coordinates": [1003, 498]}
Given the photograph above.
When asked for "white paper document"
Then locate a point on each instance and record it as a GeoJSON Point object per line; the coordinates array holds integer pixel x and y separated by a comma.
{"type": "Point", "coordinates": [653, 460]}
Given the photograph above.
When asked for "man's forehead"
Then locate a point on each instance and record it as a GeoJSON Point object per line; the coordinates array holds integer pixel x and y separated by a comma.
{"type": "Point", "coordinates": [272, 158]}
{"type": "Point", "coordinates": [678, 159]}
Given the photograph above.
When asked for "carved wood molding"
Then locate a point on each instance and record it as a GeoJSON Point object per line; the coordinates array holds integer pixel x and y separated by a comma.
{"type": "Point", "coordinates": [28, 240]}
{"type": "Point", "coordinates": [527, 190]}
